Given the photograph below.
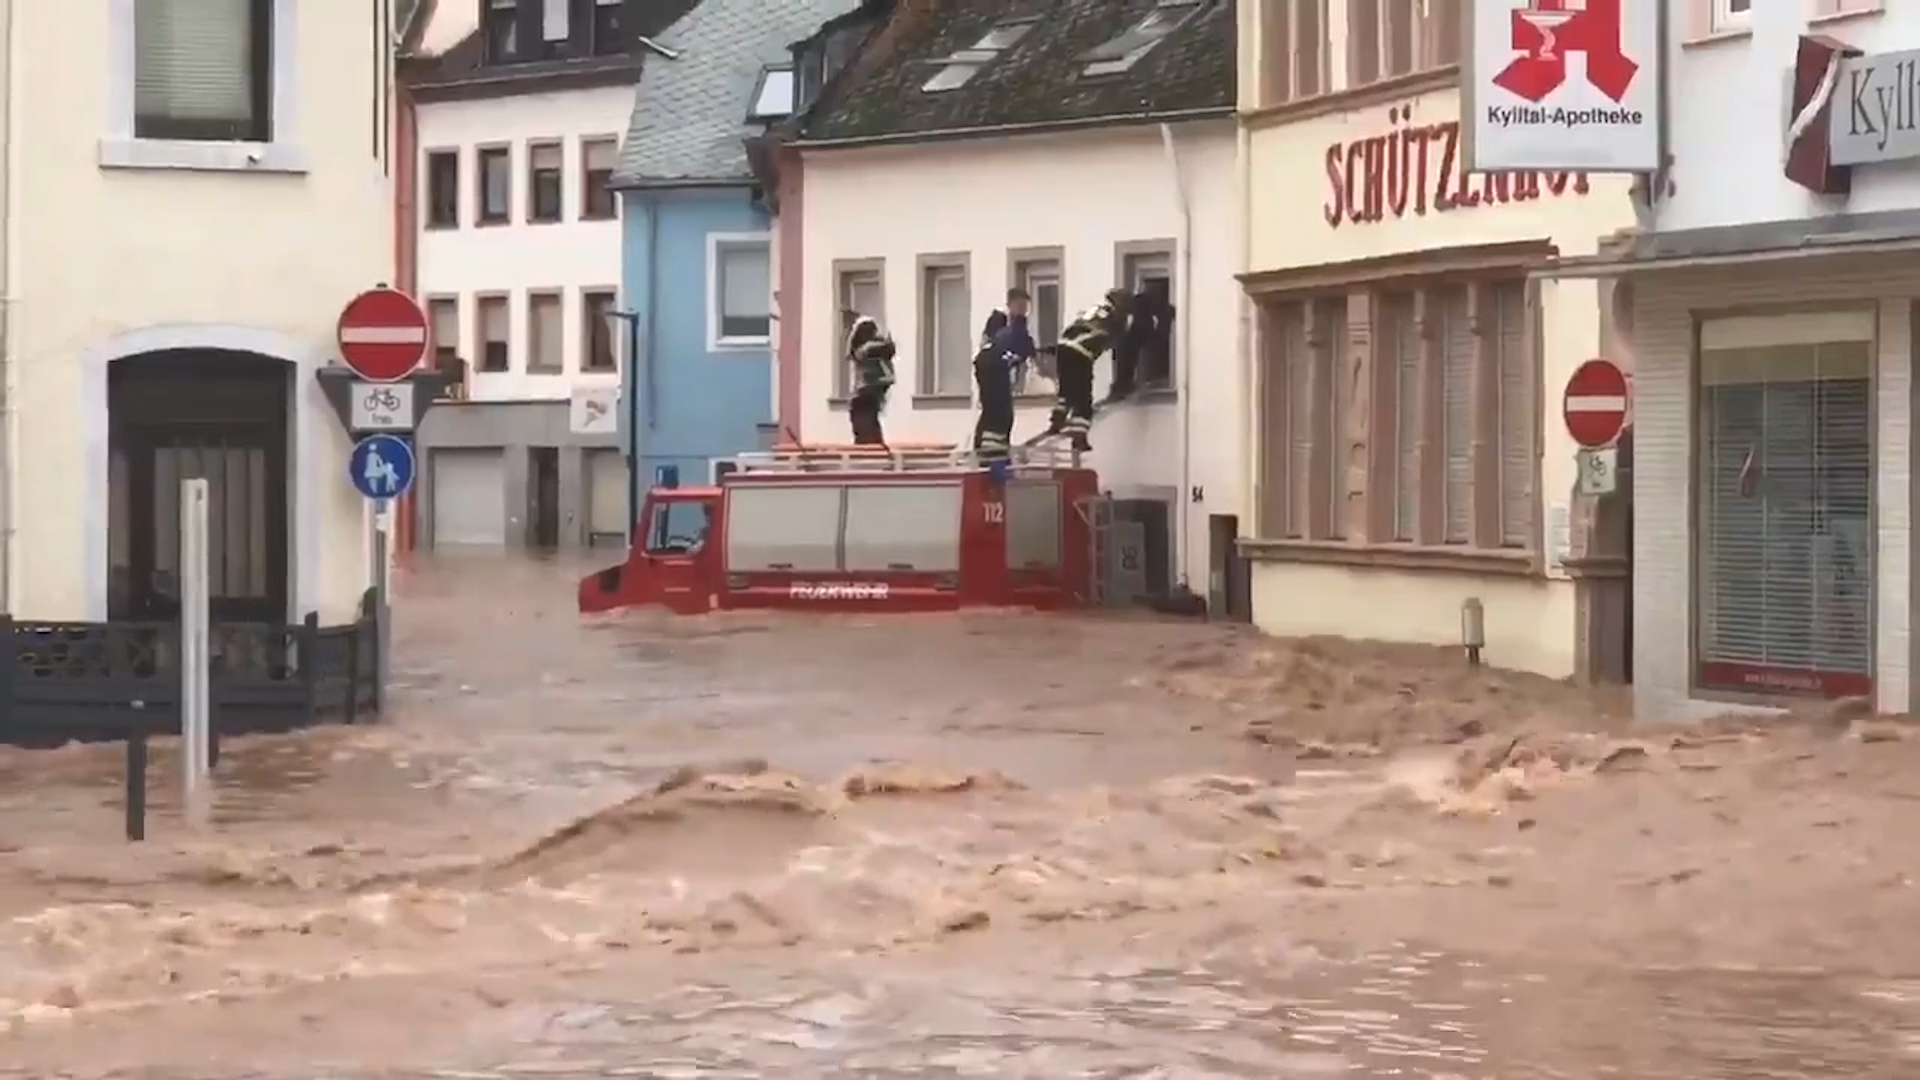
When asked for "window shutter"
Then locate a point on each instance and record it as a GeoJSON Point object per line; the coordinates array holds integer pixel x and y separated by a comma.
{"type": "Point", "coordinates": [1402, 340]}
{"type": "Point", "coordinates": [1299, 367]}
{"type": "Point", "coordinates": [545, 157]}
{"type": "Point", "coordinates": [193, 63]}
{"type": "Point", "coordinates": [1515, 365]}
{"type": "Point", "coordinates": [1456, 395]}
{"type": "Point", "coordinates": [1339, 397]}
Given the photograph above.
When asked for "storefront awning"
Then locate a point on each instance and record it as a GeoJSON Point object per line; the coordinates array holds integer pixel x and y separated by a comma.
{"type": "Point", "coordinates": [1888, 232]}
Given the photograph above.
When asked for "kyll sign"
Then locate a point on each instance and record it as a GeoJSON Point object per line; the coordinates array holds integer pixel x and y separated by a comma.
{"type": "Point", "coordinates": [1562, 85]}
{"type": "Point", "coordinates": [1875, 108]}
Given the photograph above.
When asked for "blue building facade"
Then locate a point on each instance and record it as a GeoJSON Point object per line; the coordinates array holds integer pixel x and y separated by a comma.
{"type": "Point", "coordinates": [698, 260]}
{"type": "Point", "coordinates": [694, 258]}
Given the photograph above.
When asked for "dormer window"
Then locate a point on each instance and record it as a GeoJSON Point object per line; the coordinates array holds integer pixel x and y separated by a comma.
{"type": "Point", "coordinates": [959, 68]}
{"type": "Point", "coordinates": [502, 26]}
{"type": "Point", "coordinates": [1121, 53]}
{"type": "Point", "coordinates": [772, 96]}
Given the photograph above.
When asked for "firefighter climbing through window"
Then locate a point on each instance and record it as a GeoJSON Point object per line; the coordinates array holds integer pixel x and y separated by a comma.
{"type": "Point", "coordinates": [1091, 333]}
{"type": "Point", "coordinates": [1005, 344]}
{"type": "Point", "coordinates": [870, 350]}
{"type": "Point", "coordinates": [1140, 353]}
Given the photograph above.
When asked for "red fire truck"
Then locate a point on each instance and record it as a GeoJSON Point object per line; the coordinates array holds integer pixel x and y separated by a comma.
{"type": "Point", "coordinates": [844, 528]}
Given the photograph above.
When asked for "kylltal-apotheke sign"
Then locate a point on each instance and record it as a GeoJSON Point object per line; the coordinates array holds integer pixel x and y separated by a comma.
{"type": "Point", "coordinates": [1874, 114]}
{"type": "Point", "coordinates": [1563, 85]}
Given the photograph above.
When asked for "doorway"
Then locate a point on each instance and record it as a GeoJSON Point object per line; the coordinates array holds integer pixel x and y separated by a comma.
{"type": "Point", "coordinates": [543, 498]}
{"type": "Point", "coordinates": [207, 414]}
{"type": "Point", "coordinates": [1229, 587]}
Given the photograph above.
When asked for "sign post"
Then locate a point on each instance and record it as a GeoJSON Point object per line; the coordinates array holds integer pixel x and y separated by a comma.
{"type": "Point", "coordinates": [195, 662]}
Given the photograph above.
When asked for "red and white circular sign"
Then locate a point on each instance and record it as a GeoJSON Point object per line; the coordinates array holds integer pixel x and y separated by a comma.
{"type": "Point", "coordinates": [383, 335]}
{"type": "Point", "coordinates": [1596, 403]}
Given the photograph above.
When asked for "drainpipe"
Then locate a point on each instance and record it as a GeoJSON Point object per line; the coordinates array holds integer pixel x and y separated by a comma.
{"type": "Point", "coordinates": [9, 292]}
{"type": "Point", "coordinates": [1183, 319]}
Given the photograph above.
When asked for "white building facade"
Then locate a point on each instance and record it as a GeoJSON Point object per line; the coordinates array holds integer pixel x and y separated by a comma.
{"type": "Point", "coordinates": [177, 250]}
{"type": "Point", "coordinates": [517, 239]}
{"type": "Point", "coordinates": [1772, 321]}
{"type": "Point", "coordinates": [927, 229]}
{"type": "Point", "coordinates": [933, 277]}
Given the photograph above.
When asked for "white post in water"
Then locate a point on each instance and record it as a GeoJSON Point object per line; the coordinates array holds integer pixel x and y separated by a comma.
{"type": "Point", "coordinates": [195, 661]}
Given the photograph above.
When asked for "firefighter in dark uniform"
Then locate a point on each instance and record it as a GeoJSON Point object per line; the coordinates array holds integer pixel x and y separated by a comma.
{"type": "Point", "coordinates": [1005, 344]}
{"type": "Point", "coordinates": [870, 350]}
{"type": "Point", "coordinates": [1090, 334]}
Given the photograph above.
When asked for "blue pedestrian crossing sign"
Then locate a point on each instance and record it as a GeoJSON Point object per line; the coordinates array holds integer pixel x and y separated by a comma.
{"type": "Point", "coordinates": [382, 466]}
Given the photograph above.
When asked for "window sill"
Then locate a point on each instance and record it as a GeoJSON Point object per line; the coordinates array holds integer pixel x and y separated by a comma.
{"type": "Point", "coordinates": [840, 404]}
{"type": "Point", "coordinates": [543, 221]}
{"type": "Point", "coordinates": [599, 217]}
{"type": "Point", "coordinates": [740, 344]}
{"type": "Point", "coordinates": [193, 156]}
{"type": "Point", "coordinates": [943, 401]}
{"type": "Point", "coordinates": [491, 222]}
{"type": "Point", "coordinates": [1035, 398]}
{"type": "Point", "coordinates": [442, 226]}
{"type": "Point", "coordinates": [1464, 560]}
{"type": "Point", "coordinates": [1843, 16]}
{"type": "Point", "coordinates": [1716, 37]}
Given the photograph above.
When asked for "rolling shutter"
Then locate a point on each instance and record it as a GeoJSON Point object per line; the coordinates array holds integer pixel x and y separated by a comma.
{"type": "Point", "coordinates": [1784, 483]}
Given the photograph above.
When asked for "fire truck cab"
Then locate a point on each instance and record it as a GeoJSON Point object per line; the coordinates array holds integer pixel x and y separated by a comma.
{"type": "Point", "coordinates": [845, 528]}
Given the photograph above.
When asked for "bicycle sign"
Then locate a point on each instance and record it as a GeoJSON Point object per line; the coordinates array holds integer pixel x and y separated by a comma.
{"type": "Point", "coordinates": [381, 406]}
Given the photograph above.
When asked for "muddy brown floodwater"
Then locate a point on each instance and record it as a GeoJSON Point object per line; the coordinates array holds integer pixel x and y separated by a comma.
{"type": "Point", "coordinates": [989, 845]}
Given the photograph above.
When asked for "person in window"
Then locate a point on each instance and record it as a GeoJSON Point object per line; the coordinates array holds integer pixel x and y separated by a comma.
{"type": "Point", "coordinates": [870, 350]}
{"type": "Point", "coordinates": [1141, 352]}
{"type": "Point", "coordinates": [1005, 344]}
{"type": "Point", "coordinates": [1091, 333]}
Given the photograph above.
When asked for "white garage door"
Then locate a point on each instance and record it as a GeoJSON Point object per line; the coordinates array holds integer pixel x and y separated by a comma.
{"type": "Point", "coordinates": [607, 497]}
{"type": "Point", "coordinates": [469, 498]}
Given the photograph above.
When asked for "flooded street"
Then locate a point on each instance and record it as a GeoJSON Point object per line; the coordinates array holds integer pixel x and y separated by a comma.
{"type": "Point", "coordinates": [990, 845]}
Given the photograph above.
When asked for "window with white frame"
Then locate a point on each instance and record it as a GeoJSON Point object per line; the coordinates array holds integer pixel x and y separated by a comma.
{"type": "Point", "coordinates": [740, 291]}
{"type": "Point", "coordinates": [946, 330]}
{"type": "Point", "coordinates": [1293, 48]}
{"type": "Point", "coordinates": [1732, 14]}
{"type": "Point", "coordinates": [1390, 38]}
{"type": "Point", "coordinates": [860, 287]}
{"type": "Point", "coordinates": [205, 84]}
{"type": "Point", "coordinates": [1040, 276]}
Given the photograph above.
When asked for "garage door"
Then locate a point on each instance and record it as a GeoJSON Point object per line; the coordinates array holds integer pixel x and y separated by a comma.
{"type": "Point", "coordinates": [469, 498]}
{"type": "Point", "coordinates": [607, 497]}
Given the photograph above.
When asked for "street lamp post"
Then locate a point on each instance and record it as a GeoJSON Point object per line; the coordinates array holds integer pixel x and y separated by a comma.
{"type": "Point", "coordinates": [628, 323]}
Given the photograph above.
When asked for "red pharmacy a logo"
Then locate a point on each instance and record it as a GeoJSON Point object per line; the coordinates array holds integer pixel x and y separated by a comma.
{"type": "Point", "coordinates": [1545, 31]}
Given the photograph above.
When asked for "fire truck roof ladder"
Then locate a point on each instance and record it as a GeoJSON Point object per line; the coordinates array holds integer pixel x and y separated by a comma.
{"type": "Point", "coordinates": [922, 457]}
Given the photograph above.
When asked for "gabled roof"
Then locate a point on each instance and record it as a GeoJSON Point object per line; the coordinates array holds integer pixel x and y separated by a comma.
{"type": "Point", "coordinates": [950, 66]}
{"type": "Point", "coordinates": [690, 113]}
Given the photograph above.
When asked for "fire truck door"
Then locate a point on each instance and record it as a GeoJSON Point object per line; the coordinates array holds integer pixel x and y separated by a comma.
{"type": "Point", "coordinates": [677, 537]}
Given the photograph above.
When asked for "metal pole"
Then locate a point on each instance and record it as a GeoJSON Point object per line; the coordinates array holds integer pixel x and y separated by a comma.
{"type": "Point", "coordinates": [195, 711]}
{"type": "Point", "coordinates": [382, 526]}
{"type": "Point", "coordinates": [631, 320]}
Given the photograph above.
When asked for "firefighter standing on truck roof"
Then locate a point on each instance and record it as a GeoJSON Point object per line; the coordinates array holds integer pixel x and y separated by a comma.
{"type": "Point", "coordinates": [1091, 333]}
{"type": "Point", "coordinates": [1005, 344]}
{"type": "Point", "coordinates": [870, 350]}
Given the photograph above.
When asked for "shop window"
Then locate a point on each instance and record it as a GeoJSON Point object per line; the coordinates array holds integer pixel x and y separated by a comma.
{"type": "Point", "coordinates": [1784, 480]}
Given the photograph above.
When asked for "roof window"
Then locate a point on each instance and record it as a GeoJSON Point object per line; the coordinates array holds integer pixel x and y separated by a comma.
{"type": "Point", "coordinates": [960, 67]}
{"type": "Point", "coordinates": [1121, 53]}
{"type": "Point", "coordinates": [772, 95]}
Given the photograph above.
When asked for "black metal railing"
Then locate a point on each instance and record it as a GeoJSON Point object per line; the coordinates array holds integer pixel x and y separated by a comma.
{"type": "Point", "coordinates": [94, 682]}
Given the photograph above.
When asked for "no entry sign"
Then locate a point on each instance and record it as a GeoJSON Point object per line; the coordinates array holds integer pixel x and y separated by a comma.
{"type": "Point", "coordinates": [1596, 403]}
{"type": "Point", "coordinates": [383, 335]}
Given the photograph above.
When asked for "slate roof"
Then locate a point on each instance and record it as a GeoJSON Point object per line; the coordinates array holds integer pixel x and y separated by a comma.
{"type": "Point", "coordinates": [690, 113]}
{"type": "Point", "coordinates": [1038, 81]}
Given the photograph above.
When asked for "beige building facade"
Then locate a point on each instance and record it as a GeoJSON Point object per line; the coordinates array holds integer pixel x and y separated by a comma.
{"type": "Point", "coordinates": [1408, 357]}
